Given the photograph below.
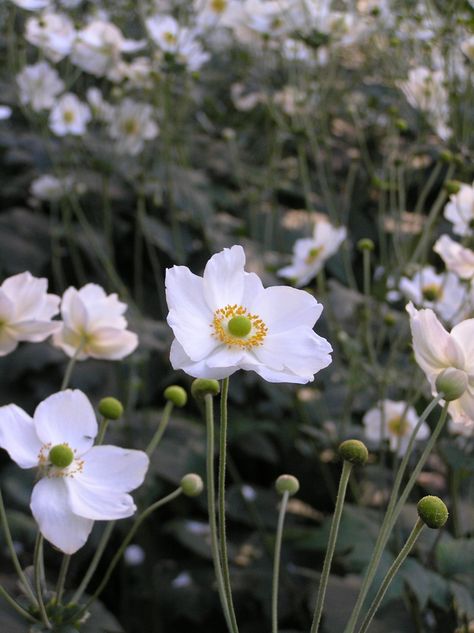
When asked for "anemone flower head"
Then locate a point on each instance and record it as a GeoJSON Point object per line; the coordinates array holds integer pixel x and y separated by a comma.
{"type": "Point", "coordinates": [79, 483]}
{"type": "Point", "coordinates": [226, 320]}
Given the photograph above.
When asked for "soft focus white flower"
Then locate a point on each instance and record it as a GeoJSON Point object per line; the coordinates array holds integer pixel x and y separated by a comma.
{"type": "Point", "coordinates": [394, 421]}
{"type": "Point", "coordinates": [69, 116]}
{"type": "Point", "coordinates": [32, 5]}
{"type": "Point", "coordinates": [48, 187]}
{"type": "Point", "coordinates": [436, 349]}
{"type": "Point", "coordinates": [457, 259]}
{"type": "Point", "coordinates": [100, 108]}
{"type": "Point", "coordinates": [52, 33]}
{"type": "Point", "coordinates": [226, 320]}
{"type": "Point", "coordinates": [131, 125]}
{"type": "Point", "coordinates": [244, 100]}
{"type": "Point", "coordinates": [212, 13]}
{"type": "Point", "coordinates": [460, 210]}
{"type": "Point", "coordinates": [171, 37]}
{"type": "Point", "coordinates": [467, 47]}
{"type": "Point", "coordinates": [182, 580]}
{"type": "Point", "coordinates": [26, 311]}
{"type": "Point", "coordinates": [464, 427]}
{"type": "Point", "coordinates": [134, 555]}
{"type": "Point", "coordinates": [309, 254]}
{"type": "Point", "coordinates": [442, 292]}
{"type": "Point", "coordinates": [39, 85]}
{"type": "Point", "coordinates": [291, 100]}
{"type": "Point", "coordinates": [94, 322]}
{"type": "Point", "coordinates": [5, 112]}
{"type": "Point", "coordinates": [80, 483]}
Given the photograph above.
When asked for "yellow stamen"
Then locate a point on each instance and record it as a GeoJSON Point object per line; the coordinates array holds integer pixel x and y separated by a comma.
{"type": "Point", "coordinates": [432, 292]}
{"type": "Point", "coordinates": [398, 426]}
{"type": "Point", "coordinates": [313, 255]}
{"type": "Point", "coordinates": [255, 336]}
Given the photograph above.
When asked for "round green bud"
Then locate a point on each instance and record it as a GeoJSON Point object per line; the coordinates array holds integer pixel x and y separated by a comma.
{"type": "Point", "coordinates": [287, 483]}
{"type": "Point", "coordinates": [452, 186]}
{"type": "Point", "coordinates": [432, 511]}
{"type": "Point", "coordinates": [61, 455]}
{"type": "Point", "coordinates": [192, 485]}
{"type": "Point", "coordinates": [401, 125]}
{"type": "Point", "coordinates": [176, 394]}
{"type": "Point", "coordinates": [452, 383]}
{"type": "Point", "coordinates": [446, 156]}
{"type": "Point", "coordinates": [204, 386]}
{"type": "Point", "coordinates": [239, 326]}
{"type": "Point", "coordinates": [389, 319]}
{"type": "Point", "coordinates": [111, 408]}
{"type": "Point", "coordinates": [365, 244]}
{"type": "Point", "coordinates": [354, 451]}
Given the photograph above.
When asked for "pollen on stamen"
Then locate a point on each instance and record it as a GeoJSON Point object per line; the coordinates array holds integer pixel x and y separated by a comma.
{"type": "Point", "coordinates": [223, 316]}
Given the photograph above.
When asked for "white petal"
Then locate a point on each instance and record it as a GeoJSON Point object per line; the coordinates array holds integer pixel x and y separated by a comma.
{"type": "Point", "coordinates": [18, 436]}
{"type": "Point", "coordinates": [78, 319]}
{"type": "Point", "coordinates": [111, 344]}
{"type": "Point", "coordinates": [27, 294]}
{"type": "Point", "coordinates": [6, 307]}
{"type": "Point", "coordinates": [67, 416]}
{"type": "Point", "coordinates": [97, 503]}
{"type": "Point", "coordinates": [285, 375]}
{"type": "Point", "coordinates": [463, 334]}
{"type": "Point", "coordinates": [112, 467]}
{"type": "Point", "coordinates": [224, 278]}
{"type": "Point", "coordinates": [180, 360]}
{"type": "Point", "coordinates": [252, 288]}
{"type": "Point", "coordinates": [69, 341]}
{"type": "Point", "coordinates": [34, 331]}
{"type": "Point", "coordinates": [57, 523]}
{"type": "Point", "coordinates": [283, 308]}
{"type": "Point", "coordinates": [8, 341]}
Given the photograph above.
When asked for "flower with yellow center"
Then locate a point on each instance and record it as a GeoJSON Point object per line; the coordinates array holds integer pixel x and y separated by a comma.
{"type": "Point", "coordinates": [226, 320]}
{"type": "Point", "coordinates": [393, 421]}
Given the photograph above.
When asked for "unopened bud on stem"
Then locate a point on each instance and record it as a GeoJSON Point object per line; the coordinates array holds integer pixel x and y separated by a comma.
{"type": "Point", "coordinates": [176, 394]}
{"type": "Point", "coordinates": [111, 408]}
{"type": "Point", "coordinates": [452, 383]}
{"type": "Point", "coordinates": [204, 386]}
{"type": "Point", "coordinates": [433, 512]}
{"type": "Point", "coordinates": [354, 451]}
{"type": "Point", "coordinates": [287, 483]}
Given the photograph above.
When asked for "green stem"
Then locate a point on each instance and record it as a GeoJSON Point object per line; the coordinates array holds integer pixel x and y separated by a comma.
{"type": "Point", "coordinates": [221, 504]}
{"type": "Point", "coordinates": [62, 577]}
{"type": "Point", "coordinates": [14, 604]}
{"type": "Point", "coordinates": [341, 494]}
{"type": "Point", "coordinates": [102, 430]}
{"type": "Point", "coordinates": [156, 439]}
{"type": "Point", "coordinates": [415, 533]}
{"type": "Point", "coordinates": [71, 364]}
{"type": "Point", "coordinates": [276, 560]}
{"type": "Point", "coordinates": [38, 567]}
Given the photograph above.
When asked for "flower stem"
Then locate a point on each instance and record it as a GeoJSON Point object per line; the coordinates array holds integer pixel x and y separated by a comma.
{"type": "Point", "coordinates": [38, 569]}
{"type": "Point", "coordinates": [62, 577]}
{"type": "Point", "coordinates": [276, 560]}
{"type": "Point", "coordinates": [419, 525]}
{"type": "Point", "coordinates": [14, 604]}
{"type": "Point", "coordinates": [71, 364]}
{"type": "Point", "coordinates": [211, 505]}
{"type": "Point", "coordinates": [341, 494]}
{"type": "Point", "coordinates": [102, 430]}
{"type": "Point", "coordinates": [156, 439]}
{"type": "Point", "coordinates": [221, 504]}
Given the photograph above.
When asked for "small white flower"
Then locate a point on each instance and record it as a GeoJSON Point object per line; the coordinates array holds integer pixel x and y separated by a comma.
{"type": "Point", "coordinates": [5, 112]}
{"type": "Point", "coordinates": [100, 108]}
{"type": "Point", "coordinates": [48, 187]}
{"type": "Point", "coordinates": [394, 421]}
{"type": "Point", "coordinates": [182, 580]}
{"type": "Point", "coordinates": [134, 555]}
{"type": "Point", "coordinates": [226, 321]}
{"type": "Point", "coordinates": [39, 85]}
{"type": "Point", "coordinates": [94, 322]}
{"type": "Point", "coordinates": [458, 260]}
{"type": "Point", "coordinates": [52, 33]}
{"type": "Point", "coordinates": [460, 210]}
{"type": "Point", "coordinates": [132, 125]}
{"type": "Point", "coordinates": [69, 116]}
{"type": "Point", "coordinates": [464, 427]}
{"type": "Point", "coordinates": [26, 311]}
{"type": "Point", "coordinates": [80, 483]}
{"type": "Point", "coordinates": [310, 254]}
{"type": "Point", "coordinates": [164, 30]}
{"type": "Point", "coordinates": [32, 5]}
{"type": "Point", "coordinates": [212, 13]}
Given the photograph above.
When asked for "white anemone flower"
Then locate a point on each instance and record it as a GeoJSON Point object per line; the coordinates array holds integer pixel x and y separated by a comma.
{"type": "Point", "coordinates": [69, 116]}
{"type": "Point", "coordinates": [94, 325]}
{"type": "Point", "coordinates": [458, 260]}
{"type": "Point", "coordinates": [39, 85]}
{"type": "Point", "coordinates": [49, 187]}
{"type": "Point", "coordinates": [460, 210]}
{"type": "Point", "coordinates": [131, 125]}
{"type": "Point", "coordinates": [226, 320]}
{"type": "Point", "coordinates": [395, 422]}
{"type": "Point", "coordinates": [310, 254]}
{"type": "Point", "coordinates": [5, 112]}
{"type": "Point", "coordinates": [436, 350]}
{"type": "Point", "coordinates": [52, 33]}
{"type": "Point", "coordinates": [79, 483]}
{"type": "Point", "coordinates": [26, 311]}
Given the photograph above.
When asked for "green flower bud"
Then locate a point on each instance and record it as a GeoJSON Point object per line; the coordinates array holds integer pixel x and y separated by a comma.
{"type": "Point", "coordinates": [354, 451]}
{"type": "Point", "coordinates": [446, 156]}
{"type": "Point", "coordinates": [287, 483]}
{"type": "Point", "coordinates": [401, 125]}
{"type": "Point", "coordinates": [61, 455]}
{"type": "Point", "coordinates": [452, 382]}
{"type": "Point", "coordinates": [176, 394]}
{"type": "Point", "coordinates": [452, 186]}
{"type": "Point", "coordinates": [365, 244]}
{"type": "Point", "coordinates": [432, 511]}
{"type": "Point", "coordinates": [192, 485]}
{"type": "Point", "coordinates": [111, 408]}
{"type": "Point", "coordinates": [204, 386]}
{"type": "Point", "coordinates": [389, 319]}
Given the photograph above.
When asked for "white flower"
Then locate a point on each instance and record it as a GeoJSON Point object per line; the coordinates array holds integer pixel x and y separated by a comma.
{"type": "Point", "coordinates": [5, 112]}
{"type": "Point", "coordinates": [32, 5]}
{"type": "Point", "coordinates": [93, 321]}
{"type": "Point", "coordinates": [39, 86]}
{"type": "Point", "coordinates": [458, 260]}
{"type": "Point", "coordinates": [134, 555]}
{"type": "Point", "coordinates": [309, 254]}
{"type": "Point", "coordinates": [460, 210]}
{"type": "Point", "coordinates": [69, 116]}
{"type": "Point", "coordinates": [52, 33]}
{"type": "Point", "coordinates": [100, 108]}
{"type": "Point", "coordinates": [212, 13]}
{"type": "Point", "coordinates": [80, 483]}
{"type": "Point", "coordinates": [436, 349]}
{"type": "Point", "coordinates": [442, 292]}
{"type": "Point", "coordinates": [131, 125]}
{"type": "Point", "coordinates": [167, 33]}
{"type": "Point", "coordinates": [464, 427]}
{"type": "Point", "coordinates": [48, 187]}
{"type": "Point", "coordinates": [26, 311]}
{"type": "Point", "coordinates": [394, 421]}
{"type": "Point", "coordinates": [226, 320]}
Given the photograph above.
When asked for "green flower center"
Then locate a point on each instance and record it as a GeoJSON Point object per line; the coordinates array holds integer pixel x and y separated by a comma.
{"type": "Point", "coordinates": [61, 455]}
{"type": "Point", "coordinates": [398, 426]}
{"type": "Point", "coordinates": [68, 116]}
{"type": "Point", "coordinates": [432, 292]}
{"type": "Point", "coordinates": [313, 254]}
{"type": "Point", "coordinates": [219, 6]}
{"type": "Point", "coordinates": [239, 326]}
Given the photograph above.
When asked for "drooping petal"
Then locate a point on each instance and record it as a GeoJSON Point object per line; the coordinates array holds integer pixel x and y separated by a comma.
{"type": "Point", "coordinates": [34, 331]}
{"type": "Point", "coordinates": [116, 468]}
{"type": "Point", "coordinates": [274, 375]}
{"type": "Point", "coordinates": [111, 344]}
{"type": "Point", "coordinates": [282, 308]}
{"type": "Point", "coordinates": [27, 294]}
{"type": "Point", "coordinates": [49, 308]}
{"type": "Point", "coordinates": [98, 503]}
{"type": "Point", "coordinates": [463, 334]}
{"type": "Point", "coordinates": [180, 360]}
{"type": "Point", "coordinates": [224, 278]}
{"type": "Point", "coordinates": [67, 417]}
{"type": "Point", "coordinates": [57, 522]}
{"type": "Point", "coordinates": [18, 436]}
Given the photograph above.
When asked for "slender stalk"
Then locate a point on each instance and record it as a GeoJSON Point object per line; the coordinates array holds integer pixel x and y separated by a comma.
{"type": "Point", "coordinates": [221, 503]}
{"type": "Point", "coordinates": [38, 567]}
{"type": "Point", "coordinates": [415, 533]}
{"type": "Point", "coordinates": [62, 577]}
{"type": "Point", "coordinates": [276, 560]}
{"type": "Point", "coordinates": [71, 364]}
{"type": "Point", "coordinates": [341, 494]}
{"type": "Point", "coordinates": [211, 505]}
{"type": "Point", "coordinates": [14, 604]}
{"type": "Point", "coordinates": [102, 430]}
{"type": "Point", "coordinates": [165, 418]}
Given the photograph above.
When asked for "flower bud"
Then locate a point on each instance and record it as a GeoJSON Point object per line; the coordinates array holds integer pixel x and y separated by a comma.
{"type": "Point", "coordinates": [389, 319]}
{"type": "Point", "coordinates": [176, 394]}
{"type": "Point", "coordinates": [452, 186]}
{"type": "Point", "coordinates": [287, 483]}
{"type": "Point", "coordinates": [401, 125]}
{"type": "Point", "coordinates": [432, 511]}
{"type": "Point", "coordinates": [192, 485]}
{"type": "Point", "coordinates": [354, 451]}
{"type": "Point", "coordinates": [452, 383]}
{"type": "Point", "coordinates": [446, 156]}
{"type": "Point", "coordinates": [365, 244]}
{"type": "Point", "coordinates": [204, 386]}
{"type": "Point", "coordinates": [111, 408]}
